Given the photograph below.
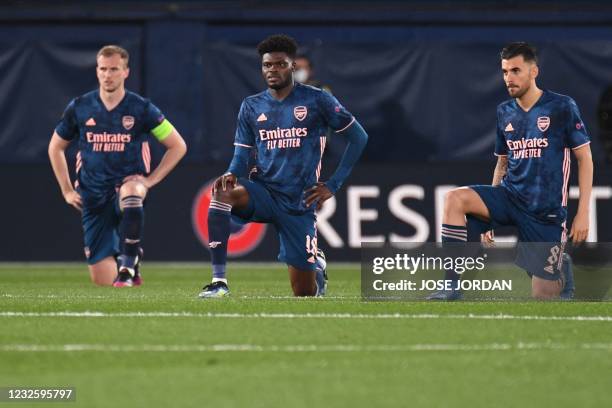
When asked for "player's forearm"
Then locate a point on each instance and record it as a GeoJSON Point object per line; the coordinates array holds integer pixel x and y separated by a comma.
{"type": "Point", "coordinates": [239, 165]}
{"type": "Point", "coordinates": [357, 139]}
{"type": "Point", "coordinates": [170, 159]}
{"type": "Point", "coordinates": [57, 157]}
{"type": "Point", "coordinates": [500, 170]}
{"type": "Point", "coordinates": [585, 182]}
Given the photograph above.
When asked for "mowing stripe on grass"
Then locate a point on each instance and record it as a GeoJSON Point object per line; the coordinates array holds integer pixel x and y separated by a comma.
{"type": "Point", "coordinates": [299, 348]}
{"type": "Point", "coordinates": [309, 316]}
{"type": "Point", "coordinates": [140, 296]}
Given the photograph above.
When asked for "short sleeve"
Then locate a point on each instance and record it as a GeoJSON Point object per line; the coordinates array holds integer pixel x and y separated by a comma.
{"type": "Point", "coordinates": [156, 123]}
{"type": "Point", "coordinates": [244, 134]}
{"type": "Point", "coordinates": [336, 115]}
{"type": "Point", "coordinates": [501, 148]}
{"type": "Point", "coordinates": [577, 135]}
{"type": "Point", "coordinates": [67, 127]}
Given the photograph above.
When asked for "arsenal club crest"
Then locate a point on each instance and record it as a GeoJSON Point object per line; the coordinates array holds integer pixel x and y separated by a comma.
{"type": "Point", "coordinates": [300, 112]}
{"type": "Point", "coordinates": [128, 122]}
{"type": "Point", "coordinates": [543, 123]}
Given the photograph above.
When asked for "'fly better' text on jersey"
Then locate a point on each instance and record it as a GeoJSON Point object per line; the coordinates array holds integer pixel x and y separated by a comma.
{"type": "Point", "coordinates": [289, 137]}
{"type": "Point", "coordinates": [538, 144]}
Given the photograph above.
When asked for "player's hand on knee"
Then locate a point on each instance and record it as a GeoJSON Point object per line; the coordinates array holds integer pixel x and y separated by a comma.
{"type": "Point", "coordinates": [226, 182]}
{"type": "Point", "coordinates": [74, 199]}
{"type": "Point", "coordinates": [318, 193]}
{"type": "Point", "coordinates": [488, 239]}
{"type": "Point", "coordinates": [580, 228]}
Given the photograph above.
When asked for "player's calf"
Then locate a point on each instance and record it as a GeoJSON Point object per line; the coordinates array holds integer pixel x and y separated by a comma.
{"type": "Point", "coordinates": [459, 225]}
{"type": "Point", "coordinates": [303, 283]}
{"type": "Point", "coordinates": [543, 289]}
{"type": "Point", "coordinates": [130, 231]}
{"type": "Point", "coordinates": [219, 226]}
{"type": "Point", "coordinates": [103, 273]}
{"type": "Point", "coordinates": [321, 273]}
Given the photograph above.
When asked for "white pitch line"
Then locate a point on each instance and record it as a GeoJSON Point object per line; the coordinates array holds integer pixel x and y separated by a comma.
{"type": "Point", "coordinates": [386, 316]}
{"type": "Point", "coordinates": [299, 348]}
{"type": "Point", "coordinates": [11, 296]}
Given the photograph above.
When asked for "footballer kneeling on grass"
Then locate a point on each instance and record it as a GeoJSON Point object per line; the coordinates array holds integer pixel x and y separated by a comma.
{"type": "Point", "coordinates": [537, 130]}
{"type": "Point", "coordinates": [112, 126]}
{"type": "Point", "coordinates": [287, 125]}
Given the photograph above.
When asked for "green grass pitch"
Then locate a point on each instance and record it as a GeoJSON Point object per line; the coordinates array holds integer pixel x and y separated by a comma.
{"type": "Point", "coordinates": [160, 346]}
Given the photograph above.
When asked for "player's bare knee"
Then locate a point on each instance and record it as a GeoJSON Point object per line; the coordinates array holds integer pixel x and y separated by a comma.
{"type": "Point", "coordinates": [539, 294]}
{"type": "Point", "coordinates": [223, 196]}
{"type": "Point", "coordinates": [301, 290]}
{"type": "Point", "coordinates": [103, 273]}
{"type": "Point", "coordinates": [235, 196]}
{"type": "Point", "coordinates": [542, 289]}
{"type": "Point", "coordinates": [132, 188]}
{"type": "Point", "coordinates": [102, 278]}
{"type": "Point", "coordinates": [454, 201]}
{"type": "Point", "coordinates": [101, 281]}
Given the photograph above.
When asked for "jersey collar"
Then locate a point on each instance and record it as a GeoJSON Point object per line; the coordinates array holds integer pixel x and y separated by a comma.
{"type": "Point", "coordinates": [99, 99]}
{"type": "Point", "coordinates": [540, 100]}
{"type": "Point", "coordinates": [295, 85]}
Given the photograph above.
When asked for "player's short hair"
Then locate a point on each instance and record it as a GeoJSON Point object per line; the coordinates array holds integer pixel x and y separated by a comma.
{"type": "Point", "coordinates": [520, 48]}
{"type": "Point", "coordinates": [278, 43]}
{"type": "Point", "coordinates": [110, 50]}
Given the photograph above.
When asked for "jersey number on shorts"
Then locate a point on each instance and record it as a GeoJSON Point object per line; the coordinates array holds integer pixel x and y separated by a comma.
{"type": "Point", "coordinates": [553, 259]}
{"type": "Point", "coordinates": [311, 245]}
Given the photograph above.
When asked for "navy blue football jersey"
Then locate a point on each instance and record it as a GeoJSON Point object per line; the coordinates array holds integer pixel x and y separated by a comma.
{"type": "Point", "coordinates": [289, 137]}
{"type": "Point", "coordinates": [538, 144]}
{"type": "Point", "coordinates": [111, 144]}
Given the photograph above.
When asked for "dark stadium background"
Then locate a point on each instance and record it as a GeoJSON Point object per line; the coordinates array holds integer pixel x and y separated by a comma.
{"type": "Point", "coordinates": [422, 77]}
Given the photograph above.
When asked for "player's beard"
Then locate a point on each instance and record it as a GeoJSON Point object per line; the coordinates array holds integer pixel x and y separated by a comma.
{"type": "Point", "coordinates": [281, 85]}
{"type": "Point", "coordinates": [519, 92]}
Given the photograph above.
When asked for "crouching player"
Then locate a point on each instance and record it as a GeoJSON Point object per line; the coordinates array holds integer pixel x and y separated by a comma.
{"type": "Point", "coordinates": [536, 132]}
{"type": "Point", "coordinates": [112, 127]}
{"type": "Point", "coordinates": [286, 124]}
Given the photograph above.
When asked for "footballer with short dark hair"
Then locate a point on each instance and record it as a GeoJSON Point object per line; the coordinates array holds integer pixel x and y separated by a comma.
{"type": "Point", "coordinates": [286, 125]}
{"type": "Point", "coordinates": [537, 130]}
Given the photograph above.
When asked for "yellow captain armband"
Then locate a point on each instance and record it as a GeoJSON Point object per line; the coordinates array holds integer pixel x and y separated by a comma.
{"type": "Point", "coordinates": [162, 130]}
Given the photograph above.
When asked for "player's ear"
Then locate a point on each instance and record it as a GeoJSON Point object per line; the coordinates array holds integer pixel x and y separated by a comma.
{"type": "Point", "coordinates": [292, 66]}
{"type": "Point", "coordinates": [534, 71]}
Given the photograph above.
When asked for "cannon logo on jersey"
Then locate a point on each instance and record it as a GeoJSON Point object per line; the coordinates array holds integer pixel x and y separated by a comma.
{"type": "Point", "coordinates": [543, 123]}
{"type": "Point", "coordinates": [128, 122]}
{"type": "Point", "coordinates": [300, 112]}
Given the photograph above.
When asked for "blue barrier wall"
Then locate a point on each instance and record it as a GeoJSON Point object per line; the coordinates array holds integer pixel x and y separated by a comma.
{"type": "Point", "coordinates": [423, 78]}
{"type": "Point", "coordinates": [424, 82]}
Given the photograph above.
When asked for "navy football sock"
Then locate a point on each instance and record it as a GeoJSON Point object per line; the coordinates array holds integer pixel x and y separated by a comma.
{"type": "Point", "coordinates": [453, 233]}
{"type": "Point", "coordinates": [219, 214]}
{"type": "Point", "coordinates": [130, 229]}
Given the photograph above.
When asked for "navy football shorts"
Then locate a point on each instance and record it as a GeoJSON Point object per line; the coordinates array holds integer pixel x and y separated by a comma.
{"type": "Point", "coordinates": [101, 231]}
{"type": "Point", "coordinates": [297, 233]}
{"type": "Point", "coordinates": [541, 244]}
